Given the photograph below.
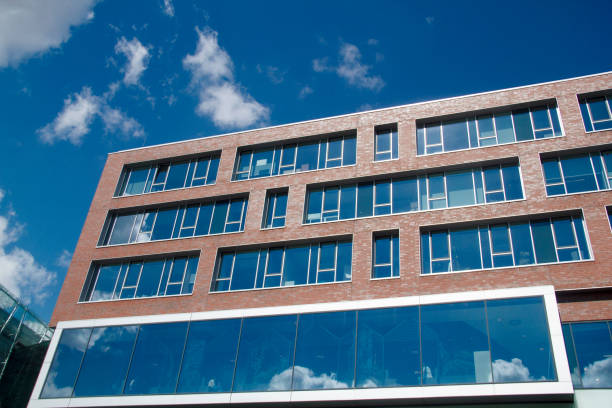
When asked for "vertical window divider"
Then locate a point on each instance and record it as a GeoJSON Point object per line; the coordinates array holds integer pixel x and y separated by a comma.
{"type": "Point", "coordinates": [571, 329]}
{"type": "Point", "coordinates": [297, 325]}
{"type": "Point", "coordinates": [76, 377]}
{"type": "Point", "coordinates": [492, 380]}
{"type": "Point", "coordinates": [178, 377]}
{"type": "Point", "coordinates": [421, 382]}
{"type": "Point", "coordinates": [160, 278]}
{"type": "Point", "coordinates": [356, 349]}
{"type": "Point", "coordinates": [237, 351]}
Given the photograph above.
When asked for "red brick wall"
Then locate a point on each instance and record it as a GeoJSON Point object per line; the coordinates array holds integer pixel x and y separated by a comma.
{"type": "Point", "coordinates": [594, 273]}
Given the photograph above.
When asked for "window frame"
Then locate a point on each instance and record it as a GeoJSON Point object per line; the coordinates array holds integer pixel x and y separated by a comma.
{"type": "Point", "coordinates": [272, 196]}
{"type": "Point", "coordinates": [391, 234]}
{"type": "Point", "coordinates": [584, 98]}
{"type": "Point", "coordinates": [393, 132]}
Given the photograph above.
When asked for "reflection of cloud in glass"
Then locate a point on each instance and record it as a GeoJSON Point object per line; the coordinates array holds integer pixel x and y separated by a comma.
{"type": "Point", "coordinates": [598, 374]}
{"type": "Point", "coordinates": [304, 379]}
{"type": "Point", "coordinates": [51, 390]}
{"type": "Point", "coordinates": [511, 371]}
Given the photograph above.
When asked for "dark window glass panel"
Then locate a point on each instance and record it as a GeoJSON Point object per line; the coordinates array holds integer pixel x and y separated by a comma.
{"type": "Point", "coordinates": [217, 225]}
{"type": "Point", "coordinates": [122, 229]}
{"type": "Point", "coordinates": [388, 350]}
{"type": "Point", "coordinates": [296, 271]}
{"type": "Point", "coordinates": [269, 212]}
{"type": "Point", "coordinates": [552, 172]}
{"type": "Point", "coordinates": [465, 249]}
{"type": "Point", "coordinates": [164, 223]}
{"type": "Point", "coordinates": [201, 168]}
{"type": "Point", "coordinates": [439, 244]}
{"type": "Point", "coordinates": [599, 108]}
{"type": "Point", "coordinates": [473, 133]}
{"type": "Point", "coordinates": [420, 140]}
{"type": "Point", "coordinates": [325, 351]}
{"type": "Point", "coordinates": [212, 170]}
{"type": "Point", "coordinates": [520, 343]}
{"type": "Point", "coordinates": [460, 185]}
{"type": "Point", "coordinates": [327, 259]}
{"type": "Point", "coordinates": [423, 193]}
{"type": "Point", "coordinates": [133, 273]}
{"type": "Point", "coordinates": [262, 163]}
{"type": "Point", "coordinates": [124, 268]}
{"type": "Point", "coordinates": [505, 131]}
{"type": "Point", "coordinates": [455, 135]}
{"type": "Point", "coordinates": [106, 362]}
{"type": "Point", "coordinates": [315, 198]}
{"type": "Point", "coordinates": [521, 243]}
{"type": "Point", "coordinates": [281, 205]}
{"type": "Point", "coordinates": [493, 182]}
{"type": "Point", "coordinates": [383, 145]}
{"type": "Point", "coordinates": [578, 174]}
{"type": "Point", "coordinates": [210, 356]}
{"type": "Point", "coordinates": [436, 189]}
{"type": "Point", "coordinates": [543, 241]}
{"type": "Point", "coordinates": [555, 121]}
{"type": "Point", "coordinates": [522, 125]}
{"type": "Point", "coordinates": [603, 125]}
{"type": "Point", "coordinates": [176, 175]}
{"type": "Point", "coordinates": [564, 232]}
{"type": "Point", "coordinates": [585, 116]}
{"type": "Point", "coordinates": [365, 200]}
{"type": "Point", "coordinates": [382, 250]}
{"type": "Point", "coordinates": [334, 152]}
{"type": "Point", "coordinates": [323, 154]}
{"type": "Point", "coordinates": [433, 135]}
{"type": "Point", "coordinates": [105, 284]}
{"type": "Point", "coordinates": [227, 261]}
{"type": "Point", "coordinates": [244, 161]}
{"type": "Point", "coordinates": [396, 257]}
{"type": "Point", "coordinates": [485, 247]}
{"type": "Point", "coordinates": [405, 195]}
{"type": "Point", "coordinates": [594, 351]}
{"type": "Point", "coordinates": [599, 171]}
{"type": "Point", "coordinates": [330, 203]}
{"type": "Point", "coordinates": [350, 151]}
{"type": "Point", "coordinates": [137, 180]}
{"type": "Point", "coordinates": [66, 363]}
{"type": "Point", "coordinates": [235, 211]}
{"type": "Point", "coordinates": [307, 155]}
{"type": "Point", "coordinates": [581, 235]}
{"type": "Point", "coordinates": [160, 177]}
{"type": "Point", "coordinates": [486, 131]}
{"type": "Point", "coordinates": [348, 201]}
{"type": "Point", "coordinates": [540, 118]}
{"type": "Point", "coordinates": [425, 254]}
{"type": "Point", "coordinates": [571, 355]}
{"type": "Point", "coordinates": [149, 278]}
{"type": "Point", "coordinates": [265, 354]}
{"type": "Point", "coordinates": [190, 274]}
{"type": "Point", "coordinates": [512, 182]}
{"type": "Point", "coordinates": [455, 344]}
{"type": "Point", "coordinates": [156, 360]}
{"type": "Point", "coordinates": [344, 261]}
{"type": "Point", "coordinates": [382, 197]}
{"type": "Point", "coordinates": [245, 267]}
{"type": "Point", "coordinates": [128, 293]}
{"type": "Point", "coordinates": [204, 218]}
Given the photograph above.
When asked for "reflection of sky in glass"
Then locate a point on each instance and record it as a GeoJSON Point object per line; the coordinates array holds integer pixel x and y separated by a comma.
{"type": "Point", "coordinates": [594, 350]}
{"type": "Point", "coordinates": [325, 351]}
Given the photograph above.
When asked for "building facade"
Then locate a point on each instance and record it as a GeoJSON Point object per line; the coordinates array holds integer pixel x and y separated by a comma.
{"type": "Point", "coordinates": [447, 252]}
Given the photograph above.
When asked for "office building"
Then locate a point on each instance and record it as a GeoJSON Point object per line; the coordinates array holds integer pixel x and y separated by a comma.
{"type": "Point", "coordinates": [448, 252]}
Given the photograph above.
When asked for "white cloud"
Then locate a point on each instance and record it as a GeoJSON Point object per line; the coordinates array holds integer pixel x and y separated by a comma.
{"type": "Point", "coordinates": [64, 259]}
{"type": "Point", "coordinates": [220, 97]}
{"type": "Point", "coordinates": [303, 379]}
{"type": "Point", "coordinates": [430, 20]}
{"type": "Point", "coordinates": [274, 74]}
{"type": "Point", "coordinates": [305, 91]}
{"type": "Point", "coordinates": [598, 374]}
{"type": "Point", "coordinates": [19, 271]}
{"type": "Point", "coordinates": [510, 371]}
{"type": "Point", "coordinates": [80, 110]}
{"type": "Point", "coordinates": [30, 27]}
{"type": "Point", "coordinates": [372, 41]}
{"type": "Point", "coordinates": [73, 122]}
{"type": "Point", "coordinates": [137, 59]}
{"type": "Point", "coordinates": [320, 65]}
{"type": "Point", "coordinates": [168, 8]}
{"type": "Point", "coordinates": [355, 72]}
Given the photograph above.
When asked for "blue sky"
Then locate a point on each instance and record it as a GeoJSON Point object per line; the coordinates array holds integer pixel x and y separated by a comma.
{"type": "Point", "coordinates": [82, 78]}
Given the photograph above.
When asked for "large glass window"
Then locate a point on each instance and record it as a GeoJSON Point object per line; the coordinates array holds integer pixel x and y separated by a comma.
{"type": "Point", "coordinates": [480, 185]}
{"type": "Point", "coordinates": [589, 351]}
{"type": "Point", "coordinates": [536, 241]}
{"type": "Point", "coordinates": [483, 341]}
{"type": "Point", "coordinates": [291, 265]}
{"type": "Point", "coordinates": [169, 175]}
{"type": "Point", "coordinates": [385, 143]}
{"type": "Point", "coordinates": [288, 158]}
{"type": "Point", "coordinates": [578, 173]}
{"type": "Point", "coordinates": [472, 131]}
{"type": "Point", "coordinates": [385, 255]}
{"type": "Point", "coordinates": [596, 112]}
{"type": "Point", "coordinates": [275, 209]}
{"type": "Point", "coordinates": [216, 217]}
{"type": "Point", "coordinates": [140, 279]}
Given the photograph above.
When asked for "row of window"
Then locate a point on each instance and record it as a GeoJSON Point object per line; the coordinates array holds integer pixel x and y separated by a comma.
{"type": "Point", "coordinates": [469, 131]}
{"type": "Point", "coordinates": [426, 192]}
{"type": "Point", "coordinates": [530, 241]}
{"type": "Point", "coordinates": [477, 342]}
{"type": "Point", "coordinates": [215, 217]}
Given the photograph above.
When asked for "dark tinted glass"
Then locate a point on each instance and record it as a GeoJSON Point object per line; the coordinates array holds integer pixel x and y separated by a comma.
{"type": "Point", "coordinates": [210, 356]}
{"type": "Point", "coordinates": [245, 267]}
{"type": "Point", "coordinates": [107, 277]}
{"type": "Point", "coordinates": [325, 351]}
{"type": "Point", "coordinates": [106, 362]}
{"type": "Point", "coordinates": [156, 360]}
{"type": "Point", "coordinates": [149, 278]}
{"type": "Point", "coordinates": [296, 271]}
{"type": "Point", "coordinates": [388, 351]}
{"type": "Point", "coordinates": [177, 175]}
{"type": "Point", "coordinates": [578, 174]}
{"type": "Point", "coordinates": [594, 351]}
{"type": "Point", "coordinates": [265, 355]}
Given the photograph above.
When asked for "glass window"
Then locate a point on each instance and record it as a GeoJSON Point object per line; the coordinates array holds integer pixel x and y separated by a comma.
{"type": "Point", "coordinates": [386, 144]}
{"type": "Point", "coordinates": [106, 362]}
{"type": "Point", "coordinates": [455, 344]}
{"type": "Point", "coordinates": [156, 359]}
{"type": "Point", "coordinates": [385, 256]}
{"type": "Point", "coordinates": [465, 249]}
{"type": "Point", "coordinates": [265, 355]}
{"type": "Point", "coordinates": [66, 363]}
{"type": "Point", "coordinates": [388, 349]}
{"type": "Point", "coordinates": [325, 351]}
{"type": "Point", "coordinates": [455, 135]}
{"type": "Point", "coordinates": [275, 209]}
{"type": "Point", "coordinates": [296, 271]}
{"type": "Point", "coordinates": [365, 199]}
{"type": "Point", "coordinates": [245, 268]}
{"type": "Point", "coordinates": [149, 278]}
{"type": "Point", "coordinates": [105, 284]}
{"type": "Point", "coordinates": [177, 175]}
{"type": "Point", "coordinates": [137, 179]}
{"type": "Point", "coordinates": [520, 342]}
{"type": "Point", "coordinates": [593, 349]}
{"type": "Point", "coordinates": [577, 173]}
{"type": "Point", "coordinates": [596, 112]}
{"type": "Point", "coordinates": [460, 185]}
{"type": "Point", "coordinates": [210, 356]}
